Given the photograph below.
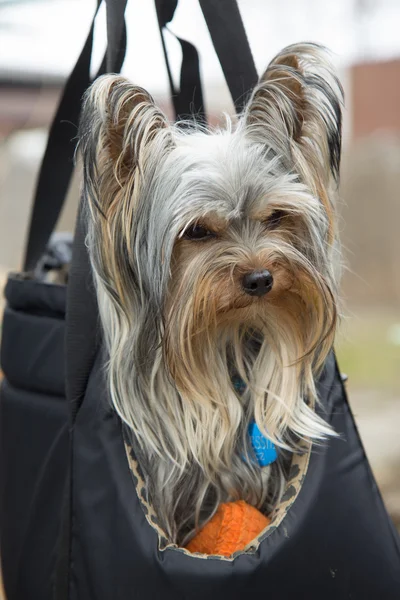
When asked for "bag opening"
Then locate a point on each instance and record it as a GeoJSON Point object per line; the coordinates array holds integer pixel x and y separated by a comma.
{"type": "Point", "coordinates": [297, 474]}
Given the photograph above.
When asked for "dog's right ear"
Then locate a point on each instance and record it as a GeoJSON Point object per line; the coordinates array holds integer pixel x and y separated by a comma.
{"type": "Point", "coordinates": [119, 125]}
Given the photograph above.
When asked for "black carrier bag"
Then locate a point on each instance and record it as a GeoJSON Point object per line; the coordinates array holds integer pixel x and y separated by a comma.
{"type": "Point", "coordinates": [74, 524]}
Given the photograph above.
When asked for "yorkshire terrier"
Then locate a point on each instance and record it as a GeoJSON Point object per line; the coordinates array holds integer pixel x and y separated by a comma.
{"type": "Point", "coordinates": [216, 259]}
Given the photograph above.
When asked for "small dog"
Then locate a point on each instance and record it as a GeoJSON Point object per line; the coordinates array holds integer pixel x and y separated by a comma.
{"type": "Point", "coordinates": [215, 255]}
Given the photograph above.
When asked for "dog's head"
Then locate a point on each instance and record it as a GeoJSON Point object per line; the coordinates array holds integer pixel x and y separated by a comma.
{"type": "Point", "coordinates": [204, 241]}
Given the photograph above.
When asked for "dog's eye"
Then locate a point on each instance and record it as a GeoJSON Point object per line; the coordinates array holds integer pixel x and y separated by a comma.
{"type": "Point", "coordinates": [197, 232]}
{"type": "Point", "coordinates": [275, 219]}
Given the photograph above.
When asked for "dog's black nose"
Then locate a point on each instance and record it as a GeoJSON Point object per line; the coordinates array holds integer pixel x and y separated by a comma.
{"type": "Point", "coordinates": [257, 283]}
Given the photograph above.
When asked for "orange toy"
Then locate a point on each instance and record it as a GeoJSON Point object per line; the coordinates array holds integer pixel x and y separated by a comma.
{"type": "Point", "coordinates": [233, 526]}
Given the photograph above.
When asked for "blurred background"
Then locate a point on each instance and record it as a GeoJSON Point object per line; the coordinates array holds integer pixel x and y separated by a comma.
{"type": "Point", "coordinates": [40, 41]}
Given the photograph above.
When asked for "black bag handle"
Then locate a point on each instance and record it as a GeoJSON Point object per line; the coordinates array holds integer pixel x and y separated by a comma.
{"type": "Point", "coordinates": [81, 343]}
{"type": "Point", "coordinates": [188, 100]}
{"type": "Point", "coordinates": [58, 161]}
{"type": "Point", "coordinates": [116, 35]}
{"type": "Point", "coordinates": [232, 48]}
{"type": "Point", "coordinates": [81, 338]}
{"type": "Point", "coordinates": [229, 38]}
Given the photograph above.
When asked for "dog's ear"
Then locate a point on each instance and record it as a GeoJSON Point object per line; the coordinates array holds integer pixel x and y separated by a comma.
{"type": "Point", "coordinates": [119, 126]}
{"type": "Point", "coordinates": [296, 109]}
{"type": "Point", "coordinates": [122, 136]}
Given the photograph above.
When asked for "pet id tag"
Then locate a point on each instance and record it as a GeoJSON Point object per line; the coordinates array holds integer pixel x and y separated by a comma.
{"type": "Point", "coordinates": [264, 449]}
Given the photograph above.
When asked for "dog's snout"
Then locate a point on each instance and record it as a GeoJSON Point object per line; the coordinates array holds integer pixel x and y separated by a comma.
{"type": "Point", "coordinates": [257, 283]}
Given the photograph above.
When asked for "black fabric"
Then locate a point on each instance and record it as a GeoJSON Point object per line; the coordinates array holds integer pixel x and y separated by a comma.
{"type": "Point", "coordinates": [31, 350]}
{"type": "Point", "coordinates": [81, 349]}
{"type": "Point", "coordinates": [33, 436]}
{"type": "Point", "coordinates": [81, 335]}
{"type": "Point", "coordinates": [336, 542]}
{"type": "Point", "coordinates": [165, 12]}
{"type": "Point", "coordinates": [188, 100]}
{"type": "Point", "coordinates": [230, 42]}
{"type": "Point", "coordinates": [35, 297]}
{"type": "Point", "coordinates": [82, 343]}
{"type": "Point", "coordinates": [116, 35]}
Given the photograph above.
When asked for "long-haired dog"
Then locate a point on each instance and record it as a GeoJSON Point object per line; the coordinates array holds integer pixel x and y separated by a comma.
{"type": "Point", "coordinates": [215, 256]}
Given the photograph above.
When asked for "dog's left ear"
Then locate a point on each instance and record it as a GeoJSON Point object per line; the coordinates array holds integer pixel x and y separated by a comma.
{"type": "Point", "coordinates": [296, 109]}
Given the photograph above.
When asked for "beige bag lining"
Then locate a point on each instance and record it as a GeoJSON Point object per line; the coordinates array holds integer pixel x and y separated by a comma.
{"type": "Point", "coordinates": [298, 471]}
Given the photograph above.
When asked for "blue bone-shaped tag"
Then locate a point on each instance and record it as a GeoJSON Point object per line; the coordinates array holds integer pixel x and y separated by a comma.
{"type": "Point", "coordinates": [264, 449]}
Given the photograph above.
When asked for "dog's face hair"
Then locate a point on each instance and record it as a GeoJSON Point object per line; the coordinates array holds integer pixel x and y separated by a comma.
{"type": "Point", "coordinates": [215, 253]}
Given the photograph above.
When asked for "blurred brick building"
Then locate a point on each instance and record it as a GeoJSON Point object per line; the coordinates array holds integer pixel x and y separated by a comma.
{"type": "Point", "coordinates": [372, 96]}
{"type": "Point", "coordinates": [375, 96]}
{"type": "Point", "coordinates": [26, 104]}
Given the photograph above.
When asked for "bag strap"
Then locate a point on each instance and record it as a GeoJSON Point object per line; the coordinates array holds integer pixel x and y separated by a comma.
{"type": "Point", "coordinates": [81, 342]}
{"type": "Point", "coordinates": [229, 38]}
{"type": "Point", "coordinates": [232, 48]}
{"type": "Point", "coordinates": [116, 35]}
{"type": "Point", "coordinates": [82, 313]}
{"type": "Point", "coordinates": [188, 100]}
{"type": "Point", "coordinates": [58, 161]}
{"type": "Point", "coordinates": [81, 351]}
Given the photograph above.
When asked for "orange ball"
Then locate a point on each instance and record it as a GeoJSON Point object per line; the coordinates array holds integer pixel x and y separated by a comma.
{"type": "Point", "coordinates": [233, 526]}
